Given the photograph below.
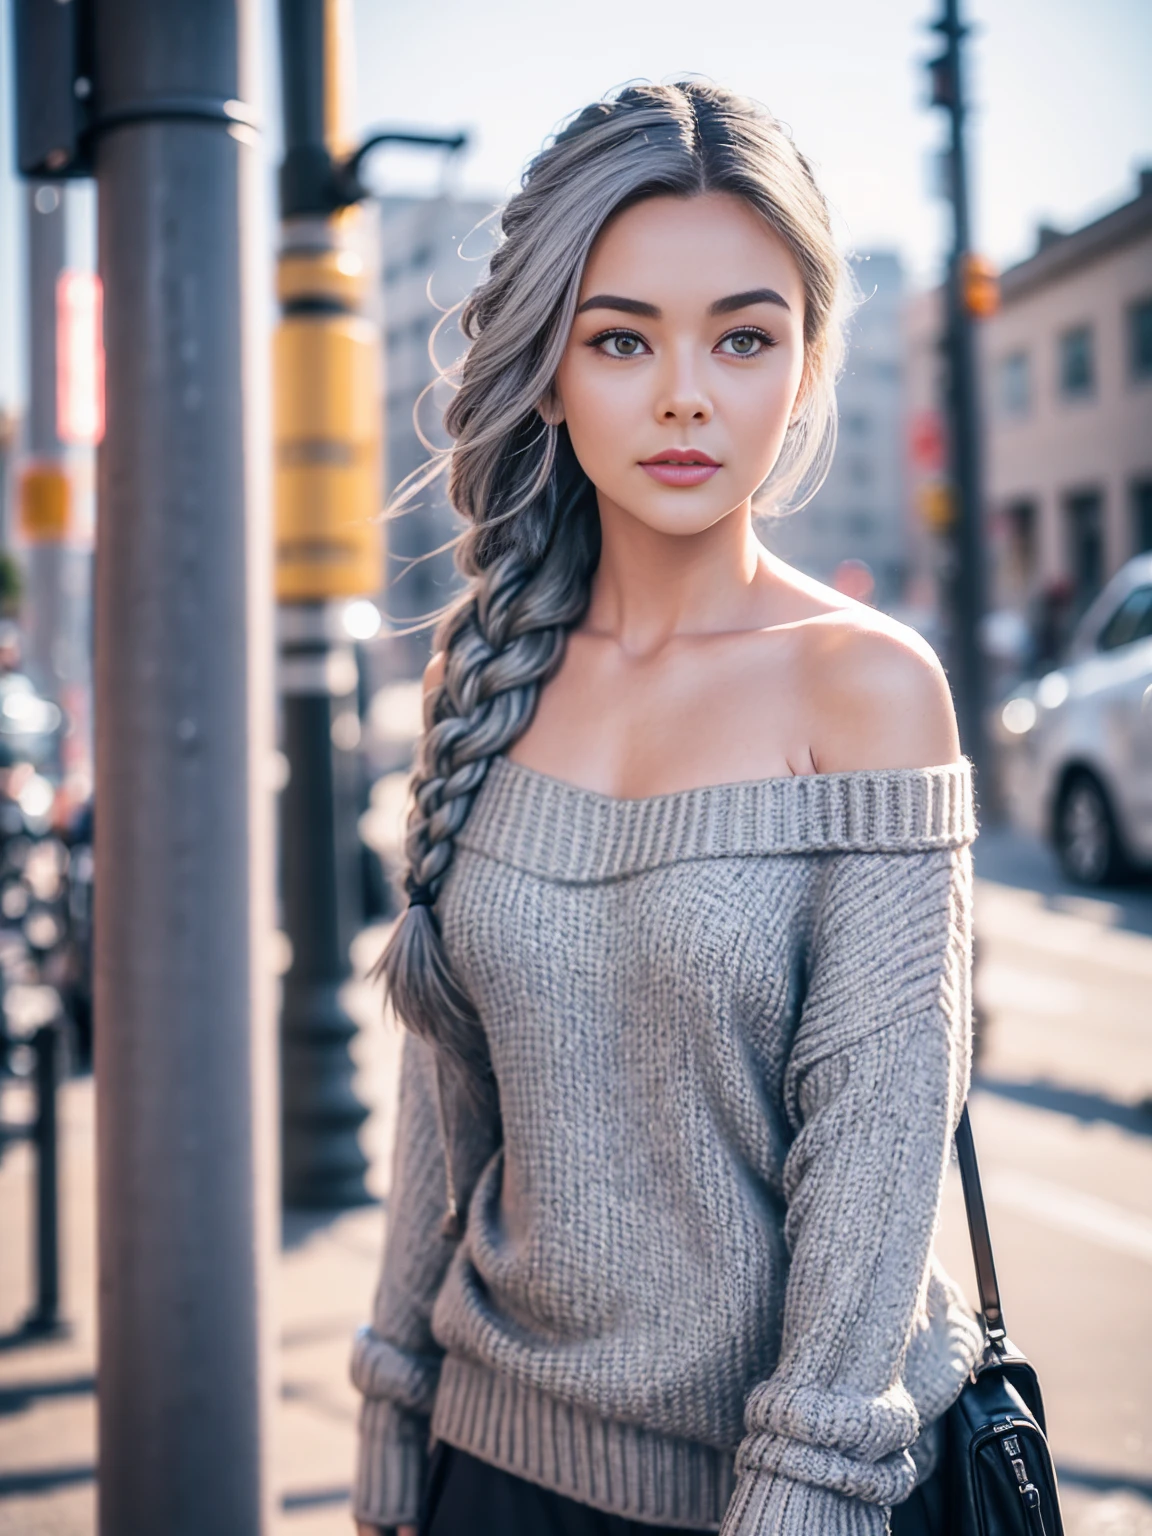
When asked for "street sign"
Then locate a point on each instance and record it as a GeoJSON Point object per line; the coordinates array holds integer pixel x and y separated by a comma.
{"type": "Point", "coordinates": [79, 358]}
{"type": "Point", "coordinates": [926, 441]}
{"type": "Point", "coordinates": [45, 503]}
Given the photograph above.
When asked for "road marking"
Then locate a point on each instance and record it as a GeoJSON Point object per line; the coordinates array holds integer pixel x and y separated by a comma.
{"type": "Point", "coordinates": [1013, 989]}
{"type": "Point", "coordinates": [1055, 1205]}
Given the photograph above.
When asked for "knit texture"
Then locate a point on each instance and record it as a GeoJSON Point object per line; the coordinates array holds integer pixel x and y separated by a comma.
{"type": "Point", "coordinates": [696, 1287]}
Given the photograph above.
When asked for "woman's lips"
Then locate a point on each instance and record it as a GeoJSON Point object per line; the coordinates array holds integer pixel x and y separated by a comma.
{"type": "Point", "coordinates": [678, 466]}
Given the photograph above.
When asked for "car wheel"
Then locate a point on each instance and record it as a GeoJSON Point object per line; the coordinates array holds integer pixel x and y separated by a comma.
{"type": "Point", "coordinates": [1086, 841]}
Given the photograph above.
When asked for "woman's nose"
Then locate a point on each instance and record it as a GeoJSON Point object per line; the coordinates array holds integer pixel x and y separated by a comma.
{"type": "Point", "coordinates": [682, 397]}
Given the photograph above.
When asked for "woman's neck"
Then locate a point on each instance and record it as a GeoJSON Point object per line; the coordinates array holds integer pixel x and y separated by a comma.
{"type": "Point", "coordinates": [651, 586]}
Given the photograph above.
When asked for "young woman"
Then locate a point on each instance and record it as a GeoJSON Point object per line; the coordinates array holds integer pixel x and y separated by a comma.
{"type": "Point", "coordinates": [686, 956]}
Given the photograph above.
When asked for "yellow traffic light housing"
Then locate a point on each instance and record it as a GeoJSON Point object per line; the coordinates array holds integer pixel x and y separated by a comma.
{"type": "Point", "coordinates": [326, 430]}
{"type": "Point", "coordinates": [936, 504]}
{"type": "Point", "coordinates": [979, 286]}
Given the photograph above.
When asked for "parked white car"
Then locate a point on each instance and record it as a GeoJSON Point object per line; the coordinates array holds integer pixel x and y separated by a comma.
{"type": "Point", "coordinates": [1078, 743]}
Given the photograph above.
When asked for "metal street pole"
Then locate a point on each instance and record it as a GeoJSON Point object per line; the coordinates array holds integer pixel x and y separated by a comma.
{"type": "Point", "coordinates": [328, 549]}
{"type": "Point", "coordinates": [328, 424]}
{"type": "Point", "coordinates": [968, 587]}
{"type": "Point", "coordinates": [45, 489]}
{"type": "Point", "coordinates": [183, 985]}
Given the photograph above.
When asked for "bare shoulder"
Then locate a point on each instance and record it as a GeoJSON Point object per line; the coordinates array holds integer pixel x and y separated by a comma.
{"type": "Point", "coordinates": [878, 695]}
{"type": "Point", "coordinates": [433, 680]}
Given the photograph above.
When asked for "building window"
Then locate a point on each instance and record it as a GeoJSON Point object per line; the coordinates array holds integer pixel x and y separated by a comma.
{"type": "Point", "coordinates": [1140, 339]}
{"type": "Point", "coordinates": [1015, 384]}
{"type": "Point", "coordinates": [1022, 520]}
{"type": "Point", "coordinates": [1084, 518]}
{"type": "Point", "coordinates": [1141, 517]}
{"type": "Point", "coordinates": [1077, 363]}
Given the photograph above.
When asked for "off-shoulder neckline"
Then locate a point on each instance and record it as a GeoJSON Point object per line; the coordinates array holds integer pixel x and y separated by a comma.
{"type": "Point", "coordinates": [561, 831]}
{"type": "Point", "coordinates": [848, 775]}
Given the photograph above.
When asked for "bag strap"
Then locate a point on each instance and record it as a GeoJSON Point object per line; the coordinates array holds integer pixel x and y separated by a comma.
{"type": "Point", "coordinates": [978, 1231]}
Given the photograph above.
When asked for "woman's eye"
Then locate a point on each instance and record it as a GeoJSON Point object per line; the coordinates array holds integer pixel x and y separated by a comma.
{"type": "Point", "coordinates": [744, 343]}
{"type": "Point", "coordinates": [620, 344]}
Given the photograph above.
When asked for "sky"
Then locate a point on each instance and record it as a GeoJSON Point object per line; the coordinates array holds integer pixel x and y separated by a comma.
{"type": "Point", "coordinates": [1061, 119]}
{"type": "Point", "coordinates": [1060, 90]}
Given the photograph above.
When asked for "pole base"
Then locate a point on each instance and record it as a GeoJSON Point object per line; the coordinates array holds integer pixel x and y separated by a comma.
{"type": "Point", "coordinates": [323, 1164]}
{"type": "Point", "coordinates": [35, 1329]}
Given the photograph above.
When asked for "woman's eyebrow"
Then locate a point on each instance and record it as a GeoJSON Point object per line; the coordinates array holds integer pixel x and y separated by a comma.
{"type": "Point", "coordinates": [743, 300]}
{"type": "Point", "coordinates": [724, 306]}
{"type": "Point", "coordinates": [627, 306]}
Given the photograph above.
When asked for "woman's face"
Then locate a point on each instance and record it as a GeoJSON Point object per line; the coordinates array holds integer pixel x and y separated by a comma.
{"type": "Point", "coordinates": [683, 366]}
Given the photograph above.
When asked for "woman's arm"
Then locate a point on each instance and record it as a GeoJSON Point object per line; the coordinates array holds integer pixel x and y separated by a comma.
{"type": "Point", "coordinates": [873, 1089]}
{"type": "Point", "coordinates": [875, 1083]}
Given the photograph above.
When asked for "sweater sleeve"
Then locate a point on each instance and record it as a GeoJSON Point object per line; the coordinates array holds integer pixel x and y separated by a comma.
{"type": "Point", "coordinates": [396, 1361]}
{"type": "Point", "coordinates": [874, 1087]}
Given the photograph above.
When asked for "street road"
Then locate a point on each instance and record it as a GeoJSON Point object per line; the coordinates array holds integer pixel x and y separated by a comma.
{"type": "Point", "coordinates": [1065, 986]}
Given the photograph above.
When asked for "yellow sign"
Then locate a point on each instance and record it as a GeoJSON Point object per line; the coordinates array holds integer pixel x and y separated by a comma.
{"type": "Point", "coordinates": [327, 428]}
{"type": "Point", "coordinates": [936, 505]}
{"type": "Point", "coordinates": [45, 503]}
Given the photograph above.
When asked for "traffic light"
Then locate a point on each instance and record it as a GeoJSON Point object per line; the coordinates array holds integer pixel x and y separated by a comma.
{"type": "Point", "coordinates": [942, 76]}
{"type": "Point", "coordinates": [936, 504]}
{"type": "Point", "coordinates": [979, 286]}
{"type": "Point", "coordinates": [327, 412]}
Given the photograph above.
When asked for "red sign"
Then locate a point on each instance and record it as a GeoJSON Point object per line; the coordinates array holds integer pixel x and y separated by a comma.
{"type": "Point", "coordinates": [79, 358]}
{"type": "Point", "coordinates": [926, 441]}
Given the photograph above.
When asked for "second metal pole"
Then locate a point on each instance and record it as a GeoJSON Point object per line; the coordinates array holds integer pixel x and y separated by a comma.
{"type": "Point", "coordinates": [968, 586]}
{"type": "Point", "coordinates": [47, 488]}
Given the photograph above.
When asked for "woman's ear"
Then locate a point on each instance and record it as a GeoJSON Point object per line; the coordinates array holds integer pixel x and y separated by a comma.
{"type": "Point", "coordinates": [551, 408]}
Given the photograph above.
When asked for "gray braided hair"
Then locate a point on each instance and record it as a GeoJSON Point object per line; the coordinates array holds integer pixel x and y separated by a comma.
{"type": "Point", "coordinates": [533, 540]}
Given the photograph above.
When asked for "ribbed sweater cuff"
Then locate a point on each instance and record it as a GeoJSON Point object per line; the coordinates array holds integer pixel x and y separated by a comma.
{"type": "Point", "coordinates": [766, 1505]}
{"type": "Point", "coordinates": [390, 1464]}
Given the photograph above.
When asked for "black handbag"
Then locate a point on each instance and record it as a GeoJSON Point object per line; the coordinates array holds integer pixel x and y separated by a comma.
{"type": "Point", "coordinates": [997, 1477]}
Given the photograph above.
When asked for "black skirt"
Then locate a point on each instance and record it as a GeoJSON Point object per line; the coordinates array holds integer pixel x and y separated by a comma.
{"type": "Point", "coordinates": [467, 1497]}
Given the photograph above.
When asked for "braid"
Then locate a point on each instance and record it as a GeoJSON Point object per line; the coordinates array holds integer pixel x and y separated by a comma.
{"type": "Point", "coordinates": [502, 642]}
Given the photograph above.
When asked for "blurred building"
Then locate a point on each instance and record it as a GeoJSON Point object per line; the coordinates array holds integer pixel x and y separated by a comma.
{"type": "Point", "coordinates": [1068, 400]}
{"type": "Point", "coordinates": [431, 253]}
{"type": "Point", "coordinates": [860, 513]}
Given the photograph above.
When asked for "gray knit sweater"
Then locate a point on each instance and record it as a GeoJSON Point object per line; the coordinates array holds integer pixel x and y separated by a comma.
{"type": "Point", "coordinates": [730, 1030]}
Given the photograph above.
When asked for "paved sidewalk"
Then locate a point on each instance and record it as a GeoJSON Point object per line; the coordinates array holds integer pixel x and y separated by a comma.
{"type": "Point", "coordinates": [326, 1274]}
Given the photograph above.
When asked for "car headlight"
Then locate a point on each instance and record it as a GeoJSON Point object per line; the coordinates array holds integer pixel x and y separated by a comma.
{"type": "Point", "coordinates": [1052, 690]}
{"type": "Point", "coordinates": [1018, 716]}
